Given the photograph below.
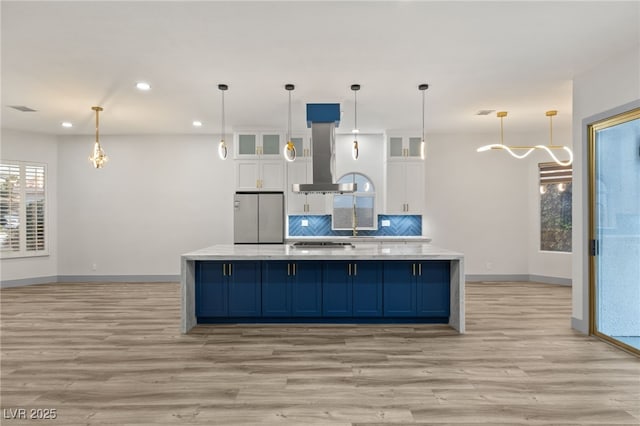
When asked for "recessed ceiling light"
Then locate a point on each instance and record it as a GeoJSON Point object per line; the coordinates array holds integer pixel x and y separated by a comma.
{"type": "Point", "coordinates": [143, 86]}
{"type": "Point", "coordinates": [67, 124]}
{"type": "Point", "coordinates": [197, 123]}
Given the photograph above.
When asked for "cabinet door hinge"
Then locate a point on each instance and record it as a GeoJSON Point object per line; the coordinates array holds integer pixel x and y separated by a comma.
{"type": "Point", "coordinates": [594, 247]}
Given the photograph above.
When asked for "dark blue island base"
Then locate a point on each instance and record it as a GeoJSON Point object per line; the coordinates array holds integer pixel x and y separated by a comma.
{"type": "Point", "coordinates": [328, 291]}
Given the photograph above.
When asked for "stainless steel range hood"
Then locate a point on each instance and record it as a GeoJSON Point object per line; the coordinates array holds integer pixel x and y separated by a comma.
{"type": "Point", "coordinates": [323, 118]}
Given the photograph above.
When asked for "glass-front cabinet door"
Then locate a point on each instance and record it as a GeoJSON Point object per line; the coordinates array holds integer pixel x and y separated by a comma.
{"type": "Point", "coordinates": [254, 145]}
{"type": "Point", "coordinates": [247, 144]}
{"type": "Point", "coordinates": [614, 180]}
{"type": "Point", "coordinates": [270, 144]}
{"type": "Point", "coordinates": [404, 147]}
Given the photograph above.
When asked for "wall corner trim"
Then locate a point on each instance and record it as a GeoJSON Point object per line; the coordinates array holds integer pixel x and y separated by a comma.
{"type": "Point", "coordinates": [580, 325]}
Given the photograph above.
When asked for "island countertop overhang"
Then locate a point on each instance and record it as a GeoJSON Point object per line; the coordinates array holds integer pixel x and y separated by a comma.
{"type": "Point", "coordinates": [360, 251]}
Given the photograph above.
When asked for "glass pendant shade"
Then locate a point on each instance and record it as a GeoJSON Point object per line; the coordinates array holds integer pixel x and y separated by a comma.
{"type": "Point", "coordinates": [98, 158]}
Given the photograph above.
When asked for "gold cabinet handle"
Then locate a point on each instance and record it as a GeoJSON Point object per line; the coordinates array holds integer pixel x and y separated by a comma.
{"type": "Point", "coordinates": [420, 269]}
{"type": "Point", "coordinates": [295, 272]}
{"type": "Point", "coordinates": [349, 269]}
{"type": "Point", "coordinates": [414, 269]}
{"type": "Point", "coordinates": [355, 269]}
{"type": "Point", "coordinates": [224, 269]}
{"type": "Point", "coordinates": [230, 270]}
{"type": "Point", "coordinates": [288, 269]}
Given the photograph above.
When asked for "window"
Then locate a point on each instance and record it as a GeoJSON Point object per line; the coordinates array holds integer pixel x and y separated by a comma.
{"type": "Point", "coordinates": [555, 207]}
{"type": "Point", "coordinates": [351, 211]}
{"type": "Point", "coordinates": [22, 209]}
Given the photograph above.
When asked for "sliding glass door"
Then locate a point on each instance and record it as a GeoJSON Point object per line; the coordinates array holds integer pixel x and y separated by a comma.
{"type": "Point", "coordinates": [614, 150]}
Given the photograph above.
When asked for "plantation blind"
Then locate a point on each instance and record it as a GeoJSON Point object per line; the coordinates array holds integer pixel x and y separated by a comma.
{"type": "Point", "coordinates": [22, 209]}
{"type": "Point", "coordinates": [34, 207]}
{"type": "Point", "coordinates": [9, 208]}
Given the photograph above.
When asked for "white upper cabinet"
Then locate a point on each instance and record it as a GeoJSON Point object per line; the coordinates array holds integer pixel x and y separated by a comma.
{"type": "Point", "coordinates": [404, 147]}
{"type": "Point", "coordinates": [259, 175]}
{"type": "Point", "coordinates": [404, 192]}
{"type": "Point", "coordinates": [405, 187]}
{"type": "Point", "coordinates": [259, 161]}
{"type": "Point", "coordinates": [254, 145]}
{"type": "Point", "coordinates": [303, 145]}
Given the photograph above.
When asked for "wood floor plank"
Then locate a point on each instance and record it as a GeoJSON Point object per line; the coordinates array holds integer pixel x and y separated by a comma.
{"type": "Point", "coordinates": [112, 353]}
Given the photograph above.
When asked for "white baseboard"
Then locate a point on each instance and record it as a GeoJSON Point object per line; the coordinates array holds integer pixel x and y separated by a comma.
{"type": "Point", "coordinates": [90, 279]}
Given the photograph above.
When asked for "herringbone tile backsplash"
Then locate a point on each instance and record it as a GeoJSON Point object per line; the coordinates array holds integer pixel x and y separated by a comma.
{"type": "Point", "coordinates": [320, 226]}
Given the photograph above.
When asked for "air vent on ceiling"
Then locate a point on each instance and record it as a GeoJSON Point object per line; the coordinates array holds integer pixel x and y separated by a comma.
{"type": "Point", "coordinates": [485, 111]}
{"type": "Point", "coordinates": [23, 108]}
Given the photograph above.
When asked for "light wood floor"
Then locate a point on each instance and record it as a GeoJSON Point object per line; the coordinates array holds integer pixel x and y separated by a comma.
{"type": "Point", "coordinates": [113, 354]}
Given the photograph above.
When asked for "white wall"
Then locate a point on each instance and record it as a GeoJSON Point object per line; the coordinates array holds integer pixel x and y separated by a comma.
{"type": "Point", "coordinates": [158, 197]}
{"type": "Point", "coordinates": [606, 87]}
{"type": "Point", "coordinates": [476, 203]}
{"type": "Point", "coordinates": [36, 147]}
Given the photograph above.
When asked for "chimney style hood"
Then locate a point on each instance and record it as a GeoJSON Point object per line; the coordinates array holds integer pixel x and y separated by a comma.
{"type": "Point", "coordinates": [323, 119]}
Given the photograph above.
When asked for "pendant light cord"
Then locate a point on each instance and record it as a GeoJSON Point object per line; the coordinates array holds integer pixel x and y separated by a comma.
{"type": "Point", "coordinates": [289, 122]}
{"type": "Point", "coordinates": [423, 116]}
{"type": "Point", "coordinates": [223, 123]}
{"type": "Point", "coordinates": [355, 96]}
{"type": "Point", "coordinates": [97, 126]}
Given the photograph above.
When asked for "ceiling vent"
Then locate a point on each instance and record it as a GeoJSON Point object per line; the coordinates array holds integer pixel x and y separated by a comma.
{"type": "Point", "coordinates": [23, 108]}
{"type": "Point", "coordinates": [485, 111]}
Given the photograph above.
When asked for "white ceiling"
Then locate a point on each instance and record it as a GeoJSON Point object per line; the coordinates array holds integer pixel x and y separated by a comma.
{"type": "Point", "coordinates": [61, 58]}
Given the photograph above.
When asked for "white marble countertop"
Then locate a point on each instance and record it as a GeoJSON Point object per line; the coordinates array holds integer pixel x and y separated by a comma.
{"type": "Point", "coordinates": [361, 250]}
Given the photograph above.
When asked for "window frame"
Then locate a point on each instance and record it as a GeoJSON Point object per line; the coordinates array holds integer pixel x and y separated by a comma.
{"type": "Point", "coordinates": [22, 252]}
{"type": "Point", "coordinates": [551, 173]}
{"type": "Point", "coordinates": [357, 194]}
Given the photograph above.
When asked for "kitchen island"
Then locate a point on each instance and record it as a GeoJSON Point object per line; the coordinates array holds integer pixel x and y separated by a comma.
{"type": "Point", "coordinates": [366, 283]}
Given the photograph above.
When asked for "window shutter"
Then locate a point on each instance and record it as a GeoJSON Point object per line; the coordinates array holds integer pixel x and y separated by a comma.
{"type": "Point", "coordinates": [553, 173]}
{"type": "Point", "coordinates": [35, 208]}
{"type": "Point", "coordinates": [9, 208]}
{"type": "Point", "coordinates": [22, 209]}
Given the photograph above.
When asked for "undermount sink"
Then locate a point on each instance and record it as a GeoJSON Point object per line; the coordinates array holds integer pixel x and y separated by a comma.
{"type": "Point", "coordinates": [321, 244]}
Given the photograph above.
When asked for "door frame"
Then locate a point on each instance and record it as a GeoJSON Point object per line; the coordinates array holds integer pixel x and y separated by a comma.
{"type": "Point", "coordinates": [592, 129]}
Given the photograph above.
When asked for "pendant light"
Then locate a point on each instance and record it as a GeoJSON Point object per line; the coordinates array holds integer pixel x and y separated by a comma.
{"type": "Point", "coordinates": [289, 151]}
{"type": "Point", "coordinates": [222, 147]}
{"type": "Point", "coordinates": [98, 158]}
{"type": "Point", "coordinates": [423, 88]}
{"type": "Point", "coordinates": [529, 149]}
{"type": "Point", "coordinates": [355, 150]}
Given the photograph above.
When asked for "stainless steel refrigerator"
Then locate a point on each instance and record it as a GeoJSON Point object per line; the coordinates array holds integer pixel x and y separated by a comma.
{"type": "Point", "coordinates": [258, 218]}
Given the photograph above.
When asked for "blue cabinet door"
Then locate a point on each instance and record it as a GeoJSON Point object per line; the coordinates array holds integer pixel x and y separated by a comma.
{"type": "Point", "coordinates": [276, 289]}
{"type": "Point", "coordinates": [306, 289]}
{"type": "Point", "coordinates": [399, 289]}
{"type": "Point", "coordinates": [245, 289]}
{"type": "Point", "coordinates": [433, 284]}
{"type": "Point", "coordinates": [367, 289]}
{"type": "Point", "coordinates": [211, 289]}
{"type": "Point", "coordinates": [337, 289]}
